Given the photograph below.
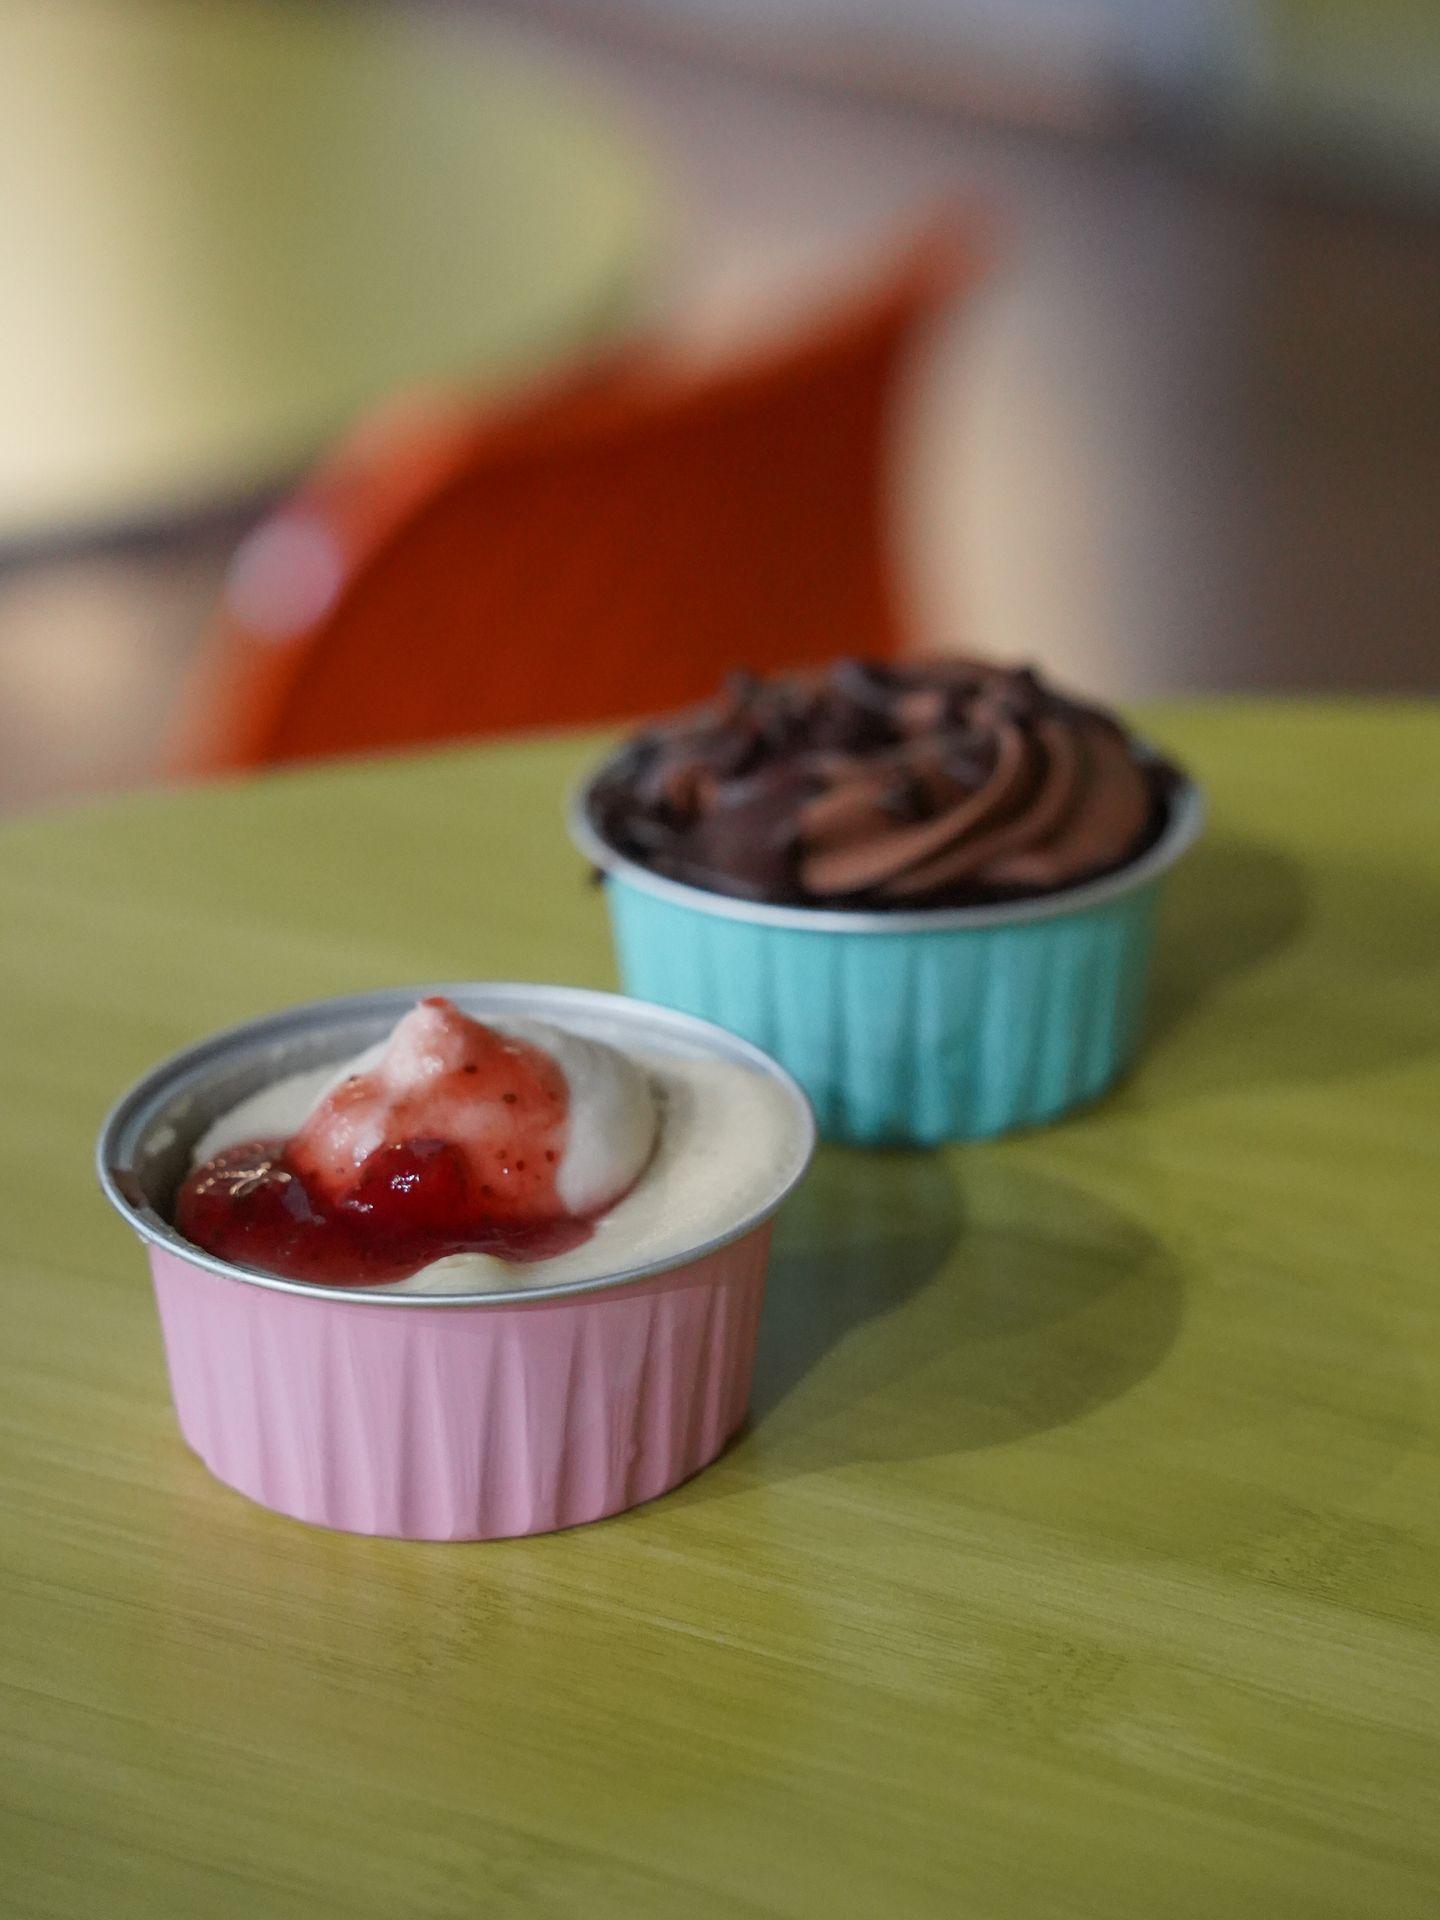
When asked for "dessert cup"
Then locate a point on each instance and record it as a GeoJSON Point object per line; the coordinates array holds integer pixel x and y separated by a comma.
{"type": "Point", "coordinates": [912, 1026]}
{"type": "Point", "coordinates": [433, 1416]}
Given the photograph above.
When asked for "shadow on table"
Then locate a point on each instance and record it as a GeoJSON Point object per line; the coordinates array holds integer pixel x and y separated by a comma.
{"type": "Point", "coordinates": [1230, 906]}
{"type": "Point", "coordinates": [1235, 907]}
{"type": "Point", "coordinates": [913, 1311]}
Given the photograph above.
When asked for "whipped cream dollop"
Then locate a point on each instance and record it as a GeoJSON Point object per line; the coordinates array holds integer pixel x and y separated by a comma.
{"type": "Point", "coordinates": [417, 1076]}
{"type": "Point", "coordinates": [659, 1152]}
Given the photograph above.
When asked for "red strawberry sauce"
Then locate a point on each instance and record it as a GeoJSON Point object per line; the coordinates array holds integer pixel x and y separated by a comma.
{"type": "Point", "coordinates": [450, 1144]}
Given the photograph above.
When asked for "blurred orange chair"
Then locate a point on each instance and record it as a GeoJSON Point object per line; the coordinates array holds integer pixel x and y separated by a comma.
{"type": "Point", "coordinates": [604, 545]}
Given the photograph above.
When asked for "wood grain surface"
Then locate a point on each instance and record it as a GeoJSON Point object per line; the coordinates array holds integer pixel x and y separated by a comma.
{"type": "Point", "coordinates": [1079, 1558]}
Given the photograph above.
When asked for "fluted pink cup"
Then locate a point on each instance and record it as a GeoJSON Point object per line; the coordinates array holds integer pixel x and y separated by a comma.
{"type": "Point", "coordinates": [442, 1416]}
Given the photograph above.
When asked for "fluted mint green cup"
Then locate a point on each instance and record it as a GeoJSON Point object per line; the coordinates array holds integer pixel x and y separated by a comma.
{"type": "Point", "coordinates": [953, 1023]}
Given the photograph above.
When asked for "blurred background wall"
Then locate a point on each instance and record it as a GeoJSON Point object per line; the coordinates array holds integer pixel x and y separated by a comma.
{"type": "Point", "coordinates": [1187, 438]}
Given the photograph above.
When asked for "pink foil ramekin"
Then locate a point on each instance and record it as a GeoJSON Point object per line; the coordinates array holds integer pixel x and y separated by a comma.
{"type": "Point", "coordinates": [442, 1416]}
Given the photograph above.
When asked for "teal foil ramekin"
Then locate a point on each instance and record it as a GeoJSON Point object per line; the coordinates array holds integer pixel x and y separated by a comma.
{"type": "Point", "coordinates": [909, 1028]}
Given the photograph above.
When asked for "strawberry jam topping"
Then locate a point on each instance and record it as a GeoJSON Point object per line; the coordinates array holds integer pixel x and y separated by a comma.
{"type": "Point", "coordinates": [450, 1143]}
{"type": "Point", "coordinates": [413, 1202]}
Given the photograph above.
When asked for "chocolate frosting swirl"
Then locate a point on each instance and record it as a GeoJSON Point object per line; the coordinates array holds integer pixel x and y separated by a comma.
{"type": "Point", "coordinates": [943, 783]}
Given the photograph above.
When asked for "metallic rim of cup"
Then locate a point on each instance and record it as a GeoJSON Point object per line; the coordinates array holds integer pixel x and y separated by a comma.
{"type": "Point", "coordinates": [133, 1115]}
{"type": "Point", "coordinates": [1181, 830]}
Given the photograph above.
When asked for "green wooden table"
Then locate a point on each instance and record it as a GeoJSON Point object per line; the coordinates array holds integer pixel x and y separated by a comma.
{"type": "Point", "coordinates": [1080, 1558]}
